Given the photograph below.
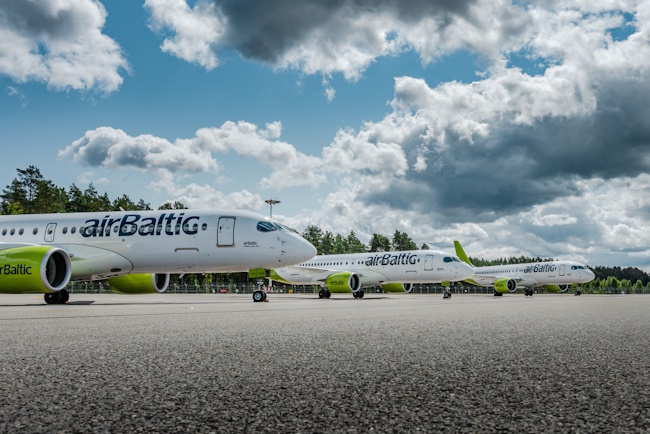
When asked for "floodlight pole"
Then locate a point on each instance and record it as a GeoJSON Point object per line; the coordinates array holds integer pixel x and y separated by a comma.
{"type": "Point", "coordinates": [272, 202]}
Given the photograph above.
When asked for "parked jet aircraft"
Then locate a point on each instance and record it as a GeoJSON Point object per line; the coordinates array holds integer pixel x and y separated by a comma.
{"type": "Point", "coordinates": [555, 276]}
{"type": "Point", "coordinates": [394, 271]}
{"type": "Point", "coordinates": [136, 250]}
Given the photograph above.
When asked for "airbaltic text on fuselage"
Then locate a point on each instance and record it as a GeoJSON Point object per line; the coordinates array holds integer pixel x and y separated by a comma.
{"type": "Point", "coordinates": [131, 224]}
{"type": "Point", "coordinates": [8, 269]}
{"type": "Point", "coordinates": [540, 268]}
{"type": "Point", "coordinates": [388, 259]}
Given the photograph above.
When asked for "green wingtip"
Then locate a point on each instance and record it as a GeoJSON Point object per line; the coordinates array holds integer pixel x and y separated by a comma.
{"type": "Point", "coordinates": [461, 253]}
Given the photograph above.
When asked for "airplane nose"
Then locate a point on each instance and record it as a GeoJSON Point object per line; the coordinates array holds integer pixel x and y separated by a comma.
{"type": "Point", "coordinates": [309, 250]}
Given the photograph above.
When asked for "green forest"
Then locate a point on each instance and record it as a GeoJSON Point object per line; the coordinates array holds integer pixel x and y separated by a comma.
{"type": "Point", "coordinates": [31, 193]}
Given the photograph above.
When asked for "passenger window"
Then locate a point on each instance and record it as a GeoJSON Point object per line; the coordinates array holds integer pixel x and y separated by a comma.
{"type": "Point", "coordinates": [73, 230]}
{"type": "Point", "coordinates": [20, 232]}
{"type": "Point", "coordinates": [13, 231]}
{"type": "Point", "coordinates": [35, 231]}
{"type": "Point", "coordinates": [204, 226]}
{"type": "Point", "coordinates": [65, 230]}
{"type": "Point", "coordinates": [4, 232]}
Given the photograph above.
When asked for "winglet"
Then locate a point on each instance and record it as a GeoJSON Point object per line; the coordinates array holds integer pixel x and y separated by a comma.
{"type": "Point", "coordinates": [461, 253]}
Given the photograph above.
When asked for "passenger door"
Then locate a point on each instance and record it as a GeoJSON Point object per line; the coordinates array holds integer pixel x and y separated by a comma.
{"type": "Point", "coordinates": [428, 263]}
{"type": "Point", "coordinates": [226, 232]}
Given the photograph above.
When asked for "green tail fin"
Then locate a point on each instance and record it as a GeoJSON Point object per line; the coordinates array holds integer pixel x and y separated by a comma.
{"type": "Point", "coordinates": [461, 253]}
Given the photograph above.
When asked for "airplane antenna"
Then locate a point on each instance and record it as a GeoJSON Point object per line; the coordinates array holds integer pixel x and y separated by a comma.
{"type": "Point", "coordinates": [272, 202]}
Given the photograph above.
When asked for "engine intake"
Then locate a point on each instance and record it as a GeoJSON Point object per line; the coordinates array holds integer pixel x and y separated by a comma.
{"type": "Point", "coordinates": [505, 285]}
{"type": "Point", "coordinates": [343, 282]}
{"type": "Point", "coordinates": [34, 269]}
{"type": "Point", "coordinates": [397, 287]}
{"type": "Point", "coordinates": [557, 288]}
{"type": "Point", "coordinates": [139, 284]}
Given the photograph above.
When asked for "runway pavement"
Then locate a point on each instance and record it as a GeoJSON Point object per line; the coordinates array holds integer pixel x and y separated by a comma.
{"type": "Point", "coordinates": [385, 363]}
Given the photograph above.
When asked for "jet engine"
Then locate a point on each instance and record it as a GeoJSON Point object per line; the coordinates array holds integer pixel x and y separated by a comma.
{"type": "Point", "coordinates": [343, 282]}
{"type": "Point", "coordinates": [139, 283]}
{"type": "Point", "coordinates": [557, 288]}
{"type": "Point", "coordinates": [34, 269]}
{"type": "Point", "coordinates": [397, 287]}
{"type": "Point", "coordinates": [505, 285]}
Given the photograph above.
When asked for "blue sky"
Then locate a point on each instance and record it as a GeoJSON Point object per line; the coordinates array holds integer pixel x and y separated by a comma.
{"type": "Point", "coordinates": [517, 129]}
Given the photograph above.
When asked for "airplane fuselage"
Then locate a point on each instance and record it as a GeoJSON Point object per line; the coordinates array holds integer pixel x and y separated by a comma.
{"type": "Point", "coordinates": [535, 274]}
{"type": "Point", "coordinates": [107, 244]}
{"type": "Point", "coordinates": [415, 266]}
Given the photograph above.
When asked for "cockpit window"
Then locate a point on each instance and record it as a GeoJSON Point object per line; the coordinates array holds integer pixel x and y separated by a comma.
{"type": "Point", "coordinates": [266, 227]}
{"type": "Point", "coordinates": [448, 259]}
{"type": "Point", "coordinates": [273, 226]}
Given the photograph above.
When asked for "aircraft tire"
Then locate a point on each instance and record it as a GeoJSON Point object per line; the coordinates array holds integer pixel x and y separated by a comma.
{"type": "Point", "coordinates": [64, 297]}
{"type": "Point", "coordinates": [321, 293]}
{"type": "Point", "coordinates": [258, 296]}
{"type": "Point", "coordinates": [361, 294]}
{"type": "Point", "coordinates": [327, 293]}
{"type": "Point", "coordinates": [497, 294]}
{"type": "Point", "coordinates": [52, 298]}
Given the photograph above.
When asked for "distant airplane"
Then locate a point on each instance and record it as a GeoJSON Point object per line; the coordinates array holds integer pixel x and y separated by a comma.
{"type": "Point", "coordinates": [136, 250]}
{"type": "Point", "coordinates": [556, 276]}
{"type": "Point", "coordinates": [394, 271]}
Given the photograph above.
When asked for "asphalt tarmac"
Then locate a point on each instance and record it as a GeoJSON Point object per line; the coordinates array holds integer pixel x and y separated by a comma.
{"type": "Point", "coordinates": [385, 363]}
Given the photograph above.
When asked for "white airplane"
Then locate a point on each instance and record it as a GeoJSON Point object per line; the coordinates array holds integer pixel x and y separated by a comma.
{"type": "Point", "coordinates": [556, 276]}
{"type": "Point", "coordinates": [394, 271]}
{"type": "Point", "coordinates": [136, 250]}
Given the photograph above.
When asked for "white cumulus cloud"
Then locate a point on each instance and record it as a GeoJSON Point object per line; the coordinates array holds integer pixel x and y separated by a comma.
{"type": "Point", "coordinates": [60, 43]}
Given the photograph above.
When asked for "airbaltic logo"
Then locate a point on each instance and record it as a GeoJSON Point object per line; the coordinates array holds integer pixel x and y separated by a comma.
{"type": "Point", "coordinates": [131, 224]}
{"type": "Point", "coordinates": [540, 268]}
{"type": "Point", "coordinates": [388, 259]}
{"type": "Point", "coordinates": [15, 270]}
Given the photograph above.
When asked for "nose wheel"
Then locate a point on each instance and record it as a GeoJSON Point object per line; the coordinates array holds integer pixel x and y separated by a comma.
{"type": "Point", "coordinates": [259, 296]}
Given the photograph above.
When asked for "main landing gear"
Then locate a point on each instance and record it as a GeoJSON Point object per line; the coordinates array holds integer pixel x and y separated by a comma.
{"type": "Point", "coordinates": [528, 292]}
{"type": "Point", "coordinates": [324, 293]}
{"type": "Point", "coordinates": [259, 296]}
{"type": "Point", "coordinates": [358, 294]}
{"type": "Point", "coordinates": [60, 297]}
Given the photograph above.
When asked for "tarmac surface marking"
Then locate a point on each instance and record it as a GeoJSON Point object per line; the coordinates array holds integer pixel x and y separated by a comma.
{"type": "Point", "coordinates": [388, 363]}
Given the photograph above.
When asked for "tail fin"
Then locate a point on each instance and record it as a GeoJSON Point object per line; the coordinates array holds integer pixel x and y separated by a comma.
{"type": "Point", "coordinates": [461, 253]}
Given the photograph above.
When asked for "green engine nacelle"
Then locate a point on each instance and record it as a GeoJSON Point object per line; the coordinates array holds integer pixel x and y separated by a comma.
{"type": "Point", "coordinates": [557, 288]}
{"type": "Point", "coordinates": [397, 287]}
{"type": "Point", "coordinates": [34, 269]}
{"type": "Point", "coordinates": [139, 283]}
{"type": "Point", "coordinates": [505, 285]}
{"type": "Point", "coordinates": [343, 282]}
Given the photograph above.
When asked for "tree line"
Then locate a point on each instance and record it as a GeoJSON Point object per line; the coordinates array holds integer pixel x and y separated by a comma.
{"type": "Point", "coordinates": [31, 193]}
